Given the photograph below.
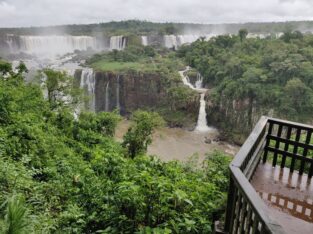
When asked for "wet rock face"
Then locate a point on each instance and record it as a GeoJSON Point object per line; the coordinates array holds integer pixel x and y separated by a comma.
{"type": "Point", "coordinates": [237, 117]}
{"type": "Point", "coordinates": [130, 91]}
{"type": "Point", "coordinates": [155, 40]}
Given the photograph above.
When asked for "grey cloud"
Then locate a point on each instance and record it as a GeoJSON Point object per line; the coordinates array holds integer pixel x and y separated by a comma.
{"type": "Point", "coordinates": [53, 12]}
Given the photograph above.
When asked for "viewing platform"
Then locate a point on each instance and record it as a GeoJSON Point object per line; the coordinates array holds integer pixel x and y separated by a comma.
{"type": "Point", "coordinates": [271, 187]}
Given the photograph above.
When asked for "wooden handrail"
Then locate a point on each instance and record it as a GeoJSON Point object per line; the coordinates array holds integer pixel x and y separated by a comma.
{"type": "Point", "coordinates": [246, 211]}
{"type": "Point", "coordinates": [242, 193]}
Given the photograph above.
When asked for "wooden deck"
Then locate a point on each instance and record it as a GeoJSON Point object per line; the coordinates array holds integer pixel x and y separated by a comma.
{"type": "Point", "coordinates": [288, 195]}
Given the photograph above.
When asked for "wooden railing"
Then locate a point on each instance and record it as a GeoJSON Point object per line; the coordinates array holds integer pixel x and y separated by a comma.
{"type": "Point", "coordinates": [282, 142]}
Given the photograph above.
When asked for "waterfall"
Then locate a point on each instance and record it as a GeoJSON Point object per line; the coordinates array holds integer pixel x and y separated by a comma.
{"type": "Point", "coordinates": [54, 45]}
{"type": "Point", "coordinates": [117, 43]}
{"type": "Point", "coordinates": [10, 44]}
{"type": "Point", "coordinates": [199, 81]}
{"type": "Point", "coordinates": [175, 41]}
{"type": "Point", "coordinates": [202, 122]}
{"type": "Point", "coordinates": [87, 82]}
{"type": "Point", "coordinates": [144, 40]}
{"type": "Point", "coordinates": [202, 125]}
{"type": "Point", "coordinates": [107, 98]}
{"type": "Point", "coordinates": [170, 41]}
{"type": "Point", "coordinates": [118, 106]}
{"type": "Point", "coordinates": [186, 81]}
{"type": "Point", "coordinates": [187, 39]}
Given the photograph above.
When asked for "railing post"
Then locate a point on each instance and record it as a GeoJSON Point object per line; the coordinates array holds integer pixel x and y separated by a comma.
{"type": "Point", "coordinates": [230, 206]}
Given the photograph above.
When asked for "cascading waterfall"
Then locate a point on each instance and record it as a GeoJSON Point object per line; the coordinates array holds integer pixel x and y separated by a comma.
{"type": "Point", "coordinates": [118, 106]}
{"type": "Point", "coordinates": [117, 43]}
{"type": "Point", "coordinates": [202, 125]}
{"type": "Point", "coordinates": [186, 79]}
{"type": "Point", "coordinates": [87, 82]}
{"type": "Point", "coordinates": [10, 44]}
{"type": "Point", "coordinates": [199, 81]}
{"type": "Point", "coordinates": [174, 41]}
{"type": "Point", "coordinates": [54, 45]}
{"type": "Point", "coordinates": [107, 98]}
{"type": "Point", "coordinates": [170, 41]}
{"type": "Point", "coordinates": [144, 40]}
{"type": "Point", "coordinates": [187, 39]}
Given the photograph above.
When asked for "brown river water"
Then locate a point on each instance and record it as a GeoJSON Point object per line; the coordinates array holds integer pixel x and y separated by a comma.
{"type": "Point", "coordinates": [180, 144]}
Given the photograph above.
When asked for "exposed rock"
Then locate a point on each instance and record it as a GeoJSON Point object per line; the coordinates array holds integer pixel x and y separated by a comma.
{"type": "Point", "coordinates": [136, 91]}
{"type": "Point", "coordinates": [236, 118]}
{"type": "Point", "coordinates": [208, 141]}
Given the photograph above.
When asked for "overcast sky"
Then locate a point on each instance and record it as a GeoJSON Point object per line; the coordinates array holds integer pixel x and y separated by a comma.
{"type": "Point", "coordinates": [15, 13]}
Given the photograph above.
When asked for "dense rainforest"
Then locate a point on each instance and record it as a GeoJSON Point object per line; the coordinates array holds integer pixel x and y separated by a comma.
{"type": "Point", "coordinates": [61, 174]}
{"type": "Point", "coordinates": [250, 77]}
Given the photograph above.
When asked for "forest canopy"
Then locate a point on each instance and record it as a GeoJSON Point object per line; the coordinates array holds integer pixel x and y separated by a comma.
{"type": "Point", "coordinates": [272, 73]}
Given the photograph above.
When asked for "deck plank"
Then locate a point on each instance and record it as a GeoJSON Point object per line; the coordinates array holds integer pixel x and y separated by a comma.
{"type": "Point", "coordinates": [289, 196]}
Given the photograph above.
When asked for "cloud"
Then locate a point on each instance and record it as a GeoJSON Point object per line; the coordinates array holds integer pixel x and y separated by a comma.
{"type": "Point", "coordinates": [54, 12]}
{"type": "Point", "coordinates": [6, 10]}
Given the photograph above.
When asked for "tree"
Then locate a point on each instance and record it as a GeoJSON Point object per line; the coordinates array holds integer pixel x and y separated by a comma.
{"type": "Point", "coordinates": [138, 136]}
{"type": "Point", "coordinates": [60, 89]}
{"type": "Point", "coordinates": [103, 122]}
{"type": "Point", "coordinates": [243, 34]}
{"type": "Point", "coordinates": [5, 67]}
{"type": "Point", "coordinates": [170, 29]}
{"type": "Point", "coordinates": [298, 96]}
{"type": "Point", "coordinates": [289, 35]}
{"type": "Point", "coordinates": [178, 97]}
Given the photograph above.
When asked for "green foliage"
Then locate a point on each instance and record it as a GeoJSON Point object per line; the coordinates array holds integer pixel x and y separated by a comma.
{"type": "Point", "coordinates": [5, 67]}
{"type": "Point", "coordinates": [179, 97]}
{"type": "Point", "coordinates": [217, 167]}
{"type": "Point", "coordinates": [73, 176]}
{"type": "Point", "coordinates": [139, 136]}
{"type": "Point", "coordinates": [265, 74]}
{"type": "Point", "coordinates": [242, 34]}
{"type": "Point", "coordinates": [102, 123]}
{"type": "Point", "coordinates": [16, 220]}
{"type": "Point", "coordinates": [60, 89]}
{"type": "Point", "coordinates": [289, 35]}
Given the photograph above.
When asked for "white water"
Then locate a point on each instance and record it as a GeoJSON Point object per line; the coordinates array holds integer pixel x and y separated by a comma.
{"type": "Point", "coordinates": [88, 83]}
{"type": "Point", "coordinates": [202, 125]}
{"type": "Point", "coordinates": [186, 81]}
{"type": "Point", "coordinates": [117, 43]}
{"type": "Point", "coordinates": [50, 46]}
{"type": "Point", "coordinates": [10, 43]}
{"type": "Point", "coordinates": [107, 100]}
{"type": "Point", "coordinates": [174, 41]}
{"type": "Point", "coordinates": [199, 81]}
{"type": "Point", "coordinates": [54, 45]}
{"type": "Point", "coordinates": [187, 39]}
{"type": "Point", "coordinates": [144, 40]}
{"type": "Point", "coordinates": [118, 106]}
{"type": "Point", "coordinates": [170, 41]}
